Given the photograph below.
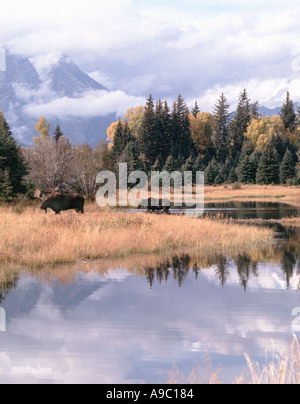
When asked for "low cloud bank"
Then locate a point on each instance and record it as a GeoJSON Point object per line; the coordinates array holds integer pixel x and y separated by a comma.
{"type": "Point", "coordinates": [89, 104]}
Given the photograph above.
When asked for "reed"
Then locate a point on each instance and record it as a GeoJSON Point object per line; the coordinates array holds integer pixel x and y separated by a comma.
{"type": "Point", "coordinates": [31, 238]}
{"type": "Point", "coordinates": [281, 369]}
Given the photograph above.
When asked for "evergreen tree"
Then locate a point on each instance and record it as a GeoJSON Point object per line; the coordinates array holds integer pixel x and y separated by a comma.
{"type": "Point", "coordinates": [247, 167]}
{"type": "Point", "coordinates": [254, 110]}
{"type": "Point", "coordinates": [288, 114]}
{"type": "Point", "coordinates": [57, 134]}
{"type": "Point", "coordinates": [220, 134]}
{"type": "Point", "coordinates": [6, 188]}
{"type": "Point", "coordinates": [171, 165]}
{"type": "Point", "coordinates": [239, 124]}
{"type": "Point", "coordinates": [247, 148]}
{"type": "Point", "coordinates": [182, 142]}
{"type": "Point", "coordinates": [200, 164]}
{"type": "Point", "coordinates": [255, 159]}
{"type": "Point", "coordinates": [122, 138]}
{"type": "Point", "coordinates": [157, 166]}
{"type": "Point", "coordinates": [131, 157]}
{"type": "Point", "coordinates": [161, 138]}
{"type": "Point", "coordinates": [220, 179]}
{"type": "Point", "coordinates": [247, 173]}
{"type": "Point", "coordinates": [188, 166]}
{"type": "Point", "coordinates": [12, 163]}
{"type": "Point", "coordinates": [226, 169]}
{"type": "Point", "coordinates": [117, 148]}
{"type": "Point", "coordinates": [148, 135]}
{"type": "Point", "coordinates": [196, 110]}
{"type": "Point", "coordinates": [163, 122]}
{"type": "Point", "coordinates": [268, 169]}
{"type": "Point", "coordinates": [298, 116]}
{"type": "Point", "coordinates": [128, 137]}
{"type": "Point", "coordinates": [211, 173]}
{"type": "Point", "coordinates": [288, 167]}
{"type": "Point", "coordinates": [232, 178]}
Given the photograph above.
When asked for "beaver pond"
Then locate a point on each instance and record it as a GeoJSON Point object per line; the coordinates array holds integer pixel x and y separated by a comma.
{"type": "Point", "coordinates": [110, 324]}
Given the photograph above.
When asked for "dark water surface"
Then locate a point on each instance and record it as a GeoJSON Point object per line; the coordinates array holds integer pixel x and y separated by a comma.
{"type": "Point", "coordinates": [252, 210]}
{"type": "Point", "coordinates": [131, 325]}
{"type": "Point", "coordinates": [241, 210]}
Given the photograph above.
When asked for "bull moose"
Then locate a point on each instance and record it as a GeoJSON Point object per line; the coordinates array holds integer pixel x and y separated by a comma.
{"type": "Point", "coordinates": [60, 202]}
{"type": "Point", "coordinates": [154, 205]}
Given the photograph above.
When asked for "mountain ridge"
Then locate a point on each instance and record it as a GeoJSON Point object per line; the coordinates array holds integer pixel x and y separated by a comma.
{"type": "Point", "coordinates": [28, 92]}
{"type": "Point", "coordinates": [68, 80]}
{"type": "Point", "coordinates": [21, 84]}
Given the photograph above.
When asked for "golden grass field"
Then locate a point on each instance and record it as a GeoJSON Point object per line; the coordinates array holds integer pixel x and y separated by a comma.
{"type": "Point", "coordinates": [266, 193]}
{"type": "Point", "coordinates": [259, 193]}
{"type": "Point", "coordinates": [29, 237]}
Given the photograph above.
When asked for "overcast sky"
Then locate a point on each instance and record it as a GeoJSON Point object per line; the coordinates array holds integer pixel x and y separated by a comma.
{"type": "Point", "coordinates": [197, 48]}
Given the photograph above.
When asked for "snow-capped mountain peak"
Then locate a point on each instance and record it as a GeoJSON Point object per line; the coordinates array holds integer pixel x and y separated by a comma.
{"type": "Point", "coordinates": [41, 80]}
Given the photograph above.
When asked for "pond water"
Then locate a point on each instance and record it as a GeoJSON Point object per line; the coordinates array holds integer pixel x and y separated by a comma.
{"type": "Point", "coordinates": [252, 210]}
{"type": "Point", "coordinates": [241, 210]}
{"type": "Point", "coordinates": [130, 322]}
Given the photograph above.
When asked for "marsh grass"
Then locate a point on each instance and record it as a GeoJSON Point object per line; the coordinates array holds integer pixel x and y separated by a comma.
{"type": "Point", "coordinates": [201, 374]}
{"type": "Point", "coordinates": [275, 193]}
{"type": "Point", "coordinates": [34, 239]}
{"type": "Point", "coordinates": [282, 369]}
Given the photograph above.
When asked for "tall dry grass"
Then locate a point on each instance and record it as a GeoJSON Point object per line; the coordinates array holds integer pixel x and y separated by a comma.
{"type": "Point", "coordinates": [266, 193]}
{"type": "Point", "coordinates": [31, 238]}
{"type": "Point", "coordinates": [282, 369]}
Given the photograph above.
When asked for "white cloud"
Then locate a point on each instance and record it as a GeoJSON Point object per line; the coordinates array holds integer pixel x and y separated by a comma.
{"type": "Point", "coordinates": [93, 103]}
{"type": "Point", "coordinates": [269, 93]}
{"type": "Point", "coordinates": [165, 47]}
{"type": "Point", "coordinates": [102, 78]}
{"type": "Point", "coordinates": [43, 63]}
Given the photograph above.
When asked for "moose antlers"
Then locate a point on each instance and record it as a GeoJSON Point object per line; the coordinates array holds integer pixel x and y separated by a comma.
{"type": "Point", "coordinates": [53, 192]}
{"type": "Point", "coordinates": [37, 194]}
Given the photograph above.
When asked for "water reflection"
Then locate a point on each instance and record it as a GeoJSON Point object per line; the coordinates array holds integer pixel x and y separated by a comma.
{"type": "Point", "coordinates": [178, 265]}
{"type": "Point", "coordinates": [241, 210]}
{"type": "Point", "coordinates": [252, 210]}
{"type": "Point", "coordinates": [8, 282]}
{"type": "Point", "coordinates": [129, 321]}
{"type": "Point", "coordinates": [114, 325]}
{"type": "Point", "coordinates": [284, 253]}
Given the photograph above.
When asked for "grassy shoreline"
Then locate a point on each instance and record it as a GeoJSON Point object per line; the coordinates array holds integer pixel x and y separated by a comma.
{"type": "Point", "coordinates": [265, 193]}
{"type": "Point", "coordinates": [34, 239]}
{"type": "Point", "coordinates": [30, 238]}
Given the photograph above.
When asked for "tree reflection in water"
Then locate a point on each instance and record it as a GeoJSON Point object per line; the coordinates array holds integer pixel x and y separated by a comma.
{"type": "Point", "coordinates": [285, 251]}
{"type": "Point", "coordinates": [179, 265]}
{"type": "Point", "coordinates": [8, 281]}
